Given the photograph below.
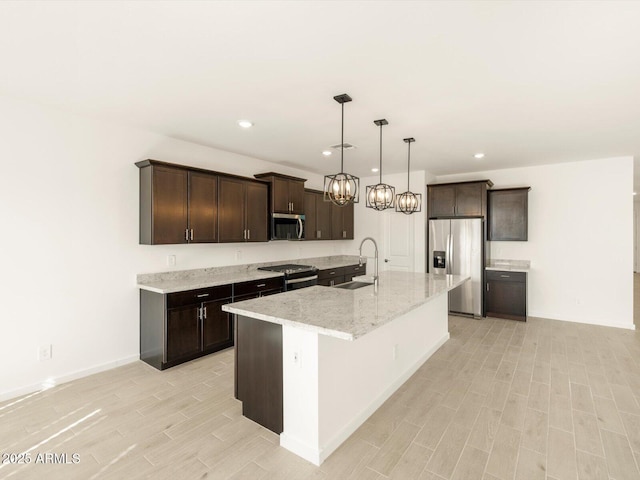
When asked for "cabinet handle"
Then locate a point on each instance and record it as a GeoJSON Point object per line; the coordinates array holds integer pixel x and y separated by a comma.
{"type": "Point", "coordinates": [505, 276]}
{"type": "Point", "coordinates": [199, 313]}
{"type": "Point", "coordinates": [331, 283]}
{"type": "Point", "coordinates": [248, 234]}
{"type": "Point", "coordinates": [202, 295]}
{"type": "Point", "coordinates": [204, 312]}
{"type": "Point", "coordinates": [192, 234]}
{"type": "Point", "coordinates": [186, 234]}
{"type": "Point", "coordinates": [319, 234]}
{"type": "Point", "coordinates": [244, 234]}
{"type": "Point", "coordinates": [487, 287]}
{"type": "Point", "coordinates": [261, 285]}
{"type": "Point", "coordinates": [344, 234]}
{"type": "Point", "coordinates": [332, 273]}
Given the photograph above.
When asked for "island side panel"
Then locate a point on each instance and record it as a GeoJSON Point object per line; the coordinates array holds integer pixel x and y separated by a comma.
{"type": "Point", "coordinates": [259, 371]}
{"type": "Point", "coordinates": [331, 386]}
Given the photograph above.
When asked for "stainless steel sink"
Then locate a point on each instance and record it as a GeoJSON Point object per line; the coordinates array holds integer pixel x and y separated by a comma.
{"type": "Point", "coordinates": [353, 285]}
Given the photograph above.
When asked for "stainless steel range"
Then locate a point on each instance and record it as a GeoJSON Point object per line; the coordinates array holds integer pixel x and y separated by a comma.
{"type": "Point", "coordinates": [295, 276]}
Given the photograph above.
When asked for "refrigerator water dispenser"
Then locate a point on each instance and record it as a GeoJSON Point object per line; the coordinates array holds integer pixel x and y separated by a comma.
{"type": "Point", "coordinates": [439, 259]}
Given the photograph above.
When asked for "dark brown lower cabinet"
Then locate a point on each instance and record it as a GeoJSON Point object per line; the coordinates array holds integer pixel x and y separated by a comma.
{"type": "Point", "coordinates": [335, 276]}
{"type": "Point", "coordinates": [178, 327]}
{"type": "Point", "coordinates": [506, 295]}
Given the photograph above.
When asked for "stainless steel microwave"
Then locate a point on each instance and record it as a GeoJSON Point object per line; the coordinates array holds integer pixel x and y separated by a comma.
{"type": "Point", "coordinates": [287, 226]}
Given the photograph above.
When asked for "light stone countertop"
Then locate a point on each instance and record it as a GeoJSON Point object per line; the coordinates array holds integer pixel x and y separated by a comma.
{"type": "Point", "coordinates": [509, 265]}
{"type": "Point", "coordinates": [184, 280]}
{"type": "Point", "coordinates": [348, 314]}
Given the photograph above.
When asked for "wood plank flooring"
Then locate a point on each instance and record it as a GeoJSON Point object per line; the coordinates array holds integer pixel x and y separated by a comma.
{"type": "Point", "coordinates": [500, 400]}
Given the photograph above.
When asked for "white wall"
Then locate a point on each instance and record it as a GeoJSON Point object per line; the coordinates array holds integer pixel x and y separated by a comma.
{"type": "Point", "coordinates": [69, 204]}
{"type": "Point", "coordinates": [580, 238]}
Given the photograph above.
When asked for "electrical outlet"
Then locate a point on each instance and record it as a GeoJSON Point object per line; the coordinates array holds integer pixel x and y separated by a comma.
{"type": "Point", "coordinates": [44, 352]}
{"type": "Point", "coordinates": [171, 260]}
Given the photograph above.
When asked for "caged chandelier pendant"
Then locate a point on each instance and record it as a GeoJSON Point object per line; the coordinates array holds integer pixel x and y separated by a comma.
{"type": "Point", "coordinates": [408, 202]}
{"type": "Point", "coordinates": [380, 196]}
{"type": "Point", "coordinates": [341, 189]}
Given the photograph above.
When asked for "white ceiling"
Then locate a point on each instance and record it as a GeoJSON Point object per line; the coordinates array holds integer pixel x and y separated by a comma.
{"type": "Point", "coordinates": [524, 82]}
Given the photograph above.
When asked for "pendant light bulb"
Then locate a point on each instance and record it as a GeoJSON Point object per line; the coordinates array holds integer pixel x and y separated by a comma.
{"type": "Point", "coordinates": [380, 196]}
{"type": "Point", "coordinates": [409, 202]}
{"type": "Point", "coordinates": [341, 189]}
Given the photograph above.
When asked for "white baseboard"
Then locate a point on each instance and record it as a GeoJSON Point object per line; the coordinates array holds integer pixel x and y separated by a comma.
{"type": "Point", "coordinates": [54, 381]}
{"type": "Point", "coordinates": [625, 326]}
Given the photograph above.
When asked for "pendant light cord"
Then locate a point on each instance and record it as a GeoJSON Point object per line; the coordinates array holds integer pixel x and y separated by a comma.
{"type": "Point", "coordinates": [342, 142]}
{"type": "Point", "coordinates": [408, 165]}
{"type": "Point", "coordinates": [380, 153]}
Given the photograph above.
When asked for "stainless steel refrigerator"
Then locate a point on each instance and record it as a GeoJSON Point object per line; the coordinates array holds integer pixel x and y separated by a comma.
{"type": "Point", "coordinates": [456, 247]}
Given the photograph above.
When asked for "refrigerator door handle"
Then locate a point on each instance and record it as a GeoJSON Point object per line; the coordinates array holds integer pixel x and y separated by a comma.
{"type": "Point", "coordinates": [448, 255]}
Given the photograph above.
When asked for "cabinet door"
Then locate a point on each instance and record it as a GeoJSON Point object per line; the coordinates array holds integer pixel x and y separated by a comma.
{"type": "Point", "coordinates": [323, 218]}
{"type": "Point", "coordinates": [257, 212]}
{"type": "Point", "coordinates": [469, 199]}
{"type": "Point", "coordinates": [280, 195]}
{"type": "Point", "coordinates": [203, 208]}
{"type": "Point", "coordinates": [506, 297]}
{"type": "Point", "coordinates": [310, 231]}
{"type": "Point", "coordinates": [216, 326]}
{"type": "Point", "coordinates": [347, 222]}
{"type": "Point", "coordinates": [337, 217]}
{"type": "Point", "coordinates": [442, 201]}
{"type": "Point", "coordinates": [183, 332]}
{"type": "Point", "coordinates": [508, 214]}
{"type": "Point", "coordinates": [169, 209]}
{"type": "Point", "coordinates": [231, 205]}
{"type": "Point", "coordinates": [296, 196]}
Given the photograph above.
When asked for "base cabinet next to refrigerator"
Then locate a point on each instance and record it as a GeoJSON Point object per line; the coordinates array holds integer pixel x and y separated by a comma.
{"type": "Point", "coordinates": [506, 295]}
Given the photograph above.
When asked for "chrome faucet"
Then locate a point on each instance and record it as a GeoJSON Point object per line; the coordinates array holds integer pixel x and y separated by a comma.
{"type": "Point", "coordinates": [375, 275]}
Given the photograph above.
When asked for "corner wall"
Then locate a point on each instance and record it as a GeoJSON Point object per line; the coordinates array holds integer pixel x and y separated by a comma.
{"type": "Point", "coordinates": [69, 203]}
{"type": "Point", "coordinates": [580, 238]}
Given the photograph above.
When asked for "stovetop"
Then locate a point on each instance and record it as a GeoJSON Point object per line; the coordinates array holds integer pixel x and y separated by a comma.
{"type": "Point", "coordinates": [289, 268]}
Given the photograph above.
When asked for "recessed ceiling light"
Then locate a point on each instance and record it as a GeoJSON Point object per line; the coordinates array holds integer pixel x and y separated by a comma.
{"type": "Point", "coordinates": [374, 170]}
{"type": "Point", "coordinates": [479, 155]}
{"type": "Point", "coordinates": [326, 153]}
{"type": "Point", "coordinates": [245, 123]}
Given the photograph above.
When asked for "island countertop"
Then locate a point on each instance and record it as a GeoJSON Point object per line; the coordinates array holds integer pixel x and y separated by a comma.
{"type": "Point", "coordinates": [348, 314]}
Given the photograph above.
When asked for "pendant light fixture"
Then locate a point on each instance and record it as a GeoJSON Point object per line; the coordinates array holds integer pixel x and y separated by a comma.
{"type": "Point", "coordinates": [380, 196]}
{"type": "Point", "coordinates": [408, 202]}
{"type": "Point", "coordinates": [341, 189]}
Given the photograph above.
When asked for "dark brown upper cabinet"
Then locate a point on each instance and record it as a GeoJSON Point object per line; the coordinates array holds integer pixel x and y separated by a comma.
{"type": "Point", "coordinates": [326, 221]}
{"type": "Point", "coordinates": [508, 214]}
{"type": "Point", "coordinates": [464, 199]}
{"type": "Point", "coordinates": [310, 223]}
{"type": "Point", "coordinates": [342, 222]}
{"type": "Point", "coordinates": [287, 193]}
{"type": "Point", "coordinates": [177, 205]}
{"type": "Point", "coordinates": [242, 210]}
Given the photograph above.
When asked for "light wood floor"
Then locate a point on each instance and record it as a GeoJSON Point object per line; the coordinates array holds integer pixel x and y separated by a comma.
{"type": "Point", "coordinates": [500, 400]}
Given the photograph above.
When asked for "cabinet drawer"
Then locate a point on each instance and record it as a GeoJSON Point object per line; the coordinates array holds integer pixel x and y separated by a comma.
{"type": "Point", "coordinates": [331, 272]}
{"type": "Point", "coordinates": [506, 276]}
{"type": "Point", "coordinates": [355, 270]}
{"type": "Point", "coordinates": [256, 286]}
{"type": "Point", "coordinates": [198, 296]}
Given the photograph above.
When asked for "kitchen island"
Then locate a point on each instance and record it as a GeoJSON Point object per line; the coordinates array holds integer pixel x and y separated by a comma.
{"type": "Point", "coordinates": [313, 364]}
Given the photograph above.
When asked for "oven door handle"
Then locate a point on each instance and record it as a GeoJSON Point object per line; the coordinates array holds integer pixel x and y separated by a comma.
{"type": "Point", "coordinates": [300, 280]}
